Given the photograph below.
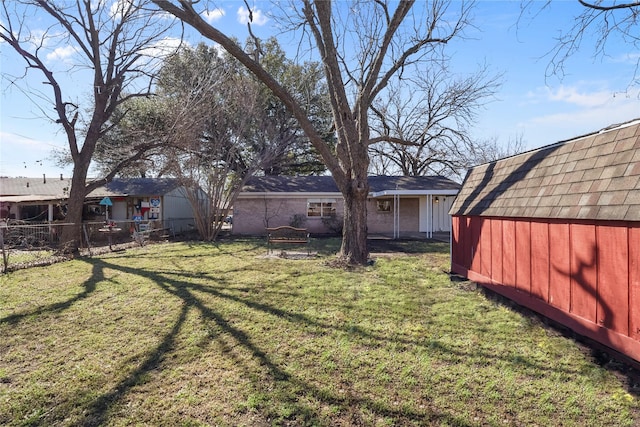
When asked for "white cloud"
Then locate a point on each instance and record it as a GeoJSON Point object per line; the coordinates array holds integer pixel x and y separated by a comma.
{"type": "Point", "coordinates": [259, 18]}
{"type": "Point", "coordinates": [219, 49]}
{"type": "Point", "coordinates": [154, 55]}
{"type": "Point", "coordinates": [593, 112]}
{"type": "Point", "coordinates": [579, 95]}
{"type": "Point", "coordinates": [38, 38]}
{"type": "Point", "coordinates": [12, 139]}
{"type": "Point", "coordinates": [119, 7]}
{"type": "Point", "coordinates": [61, 53]}
{"type": "Point", "coordinates": [580, 98]}
{"type": "Point", "coordinates": [552, 114]}
{"type": "Point", "coordinates": [627, 58]}
{"type": "Point", "coordinates": [115, 11]}
{"type": "Point", "coordinates": [213, 15]}
{"type": "Point", "coordinates": [162, 48]}
{"type": "Point", "coordinates": [585, 94]}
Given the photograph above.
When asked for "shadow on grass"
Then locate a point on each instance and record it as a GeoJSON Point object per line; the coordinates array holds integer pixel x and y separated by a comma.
{"type": "Point", "coordinates": [408, 246]}
{"type": "Point", "coordinates": [89, 287]}
{"type": "Point", "coordinates": [613, 361]}
{"type": "Point", "coordinates": [180, 284]}
{"type": "Point", "coordinates": [98, 412]}
{"type": "Point", "coordinates": [289, 385]}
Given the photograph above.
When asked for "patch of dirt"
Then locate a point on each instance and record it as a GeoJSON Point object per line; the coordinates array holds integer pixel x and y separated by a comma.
{"type": "Point", "coordinates": [290, 255]}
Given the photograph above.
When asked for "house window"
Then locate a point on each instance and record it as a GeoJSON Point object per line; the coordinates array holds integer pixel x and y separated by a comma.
{"type": "Point", "coordinates": [384, 205]}
{"type": "Point", "coordinates": [321, 208]}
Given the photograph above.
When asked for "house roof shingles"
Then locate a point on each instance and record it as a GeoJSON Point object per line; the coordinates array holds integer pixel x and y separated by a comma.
{"type": "Point", "coordinates": [136, 187]}
{"type": "Point", "coordinates": [326, 184]}
{"type": "Point", "coordinates": [291, 184]}
{"type": "Point", "coordinates": [594, 177]}
{"type": "Point", "coordinates": [53, 188]}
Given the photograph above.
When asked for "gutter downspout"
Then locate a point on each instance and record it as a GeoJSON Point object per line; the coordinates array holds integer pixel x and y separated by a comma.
{"type": "Point", "coordinates": [430, 216]}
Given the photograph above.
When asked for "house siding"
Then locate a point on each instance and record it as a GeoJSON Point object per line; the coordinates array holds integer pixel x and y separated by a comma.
{"type": "Point", "coordinates": [251, 216]}
{"type": "Point", "coordinates": [382, 222]}
{"type": "Point", "coordinates": [176, 211]}
{"type": "Point", "coordinates": [583, 274]}
{"type": "Point", "coordinates": [274, 200]}
{"type": "Point", "coordinates": [440, 215]}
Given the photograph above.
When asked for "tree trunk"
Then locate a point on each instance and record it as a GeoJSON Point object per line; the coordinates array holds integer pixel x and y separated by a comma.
{"type": "Point", "coordinates": [72, 234]}
{"type": "Point", "coordinates": [354, 234]}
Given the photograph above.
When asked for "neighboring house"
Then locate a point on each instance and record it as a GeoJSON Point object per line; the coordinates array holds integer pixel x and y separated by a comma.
{"type": "Point", "coordinates": [33, 199]}
{"type": "Point", "coordinates": [44, 199]}
{"type": "Point", "coordinates": [397, 206]}
{"type": "Point", "coordinates": [558, 230]}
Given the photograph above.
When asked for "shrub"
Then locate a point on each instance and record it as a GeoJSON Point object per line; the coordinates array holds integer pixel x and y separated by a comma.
{"type": "Point", "coordinates": [298, 221]}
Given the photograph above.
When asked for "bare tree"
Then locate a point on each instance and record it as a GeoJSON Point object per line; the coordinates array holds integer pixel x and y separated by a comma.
{"type": "Point", "coordinates": [490, 150]}
{"type": "Point", "coordinates": [611, 21]}
{"type": "Point", "coordinates": [427, 131]}
{"type": "Point", "coordinates": [115, 44]}
{"type": "Point", "coordinates": [387, 44]}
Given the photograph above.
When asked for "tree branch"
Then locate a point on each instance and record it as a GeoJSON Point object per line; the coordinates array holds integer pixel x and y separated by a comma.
{"type": "Point", "coordinates": [612, 7]}
{"type": "Point", "coordinates": [187, 14]}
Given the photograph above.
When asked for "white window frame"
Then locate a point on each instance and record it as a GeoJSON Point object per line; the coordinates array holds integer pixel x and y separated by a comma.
{"type": "Point", "coordinates": [327, 208]}
{"type": "Point", "coordinates": [387, 203]}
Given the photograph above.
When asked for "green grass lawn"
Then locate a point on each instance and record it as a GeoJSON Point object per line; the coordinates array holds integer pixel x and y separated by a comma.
{"type": "Point", "coordinates": [190, 334]}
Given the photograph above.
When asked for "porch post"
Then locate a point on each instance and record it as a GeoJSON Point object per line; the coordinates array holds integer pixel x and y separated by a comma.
{"type": "Point", "coordinates": [396, 216]}
{"type": "Point", "coordinates": [429, 216]}
{"type": "Point", "coordinates": [433, 217]}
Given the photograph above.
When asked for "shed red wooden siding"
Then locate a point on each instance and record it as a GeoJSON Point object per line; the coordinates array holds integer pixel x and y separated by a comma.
{"type": "Point", "coordinates": [585, 275]}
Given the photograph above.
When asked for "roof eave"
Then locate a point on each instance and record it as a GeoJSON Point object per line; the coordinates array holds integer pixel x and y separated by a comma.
{"type": "Point", "coordinates": [274, 195]}
{"type": "Point", "coordinates": [384, 193]}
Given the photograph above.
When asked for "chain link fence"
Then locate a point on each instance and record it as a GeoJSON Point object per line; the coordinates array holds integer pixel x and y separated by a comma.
{"type": "Point", "coordinates": [30, 244]}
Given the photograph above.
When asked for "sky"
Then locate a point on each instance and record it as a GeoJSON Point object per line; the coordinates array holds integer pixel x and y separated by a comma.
{"type": "Point", "coordinates": [539, 109]}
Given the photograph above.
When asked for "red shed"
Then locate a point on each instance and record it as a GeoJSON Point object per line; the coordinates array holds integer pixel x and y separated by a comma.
{"type": "Point", "coordinates": [558, 230]}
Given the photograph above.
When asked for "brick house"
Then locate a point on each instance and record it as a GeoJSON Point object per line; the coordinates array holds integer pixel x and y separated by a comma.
{"type": "Point", "coordinates": [397, 206]}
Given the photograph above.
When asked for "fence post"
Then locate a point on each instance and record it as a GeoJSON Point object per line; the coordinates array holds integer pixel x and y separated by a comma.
{"type": "Point", "coordinates": [86, 236]}
{"type": "Point", "coordinates": [5, 257]}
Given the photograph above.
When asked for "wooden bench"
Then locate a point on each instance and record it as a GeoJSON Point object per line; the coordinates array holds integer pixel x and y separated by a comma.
{"type": "Point", "coordinates": [287, 235]}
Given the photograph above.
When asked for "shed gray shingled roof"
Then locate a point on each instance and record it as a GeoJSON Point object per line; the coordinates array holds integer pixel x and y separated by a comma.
{"type": "Point", "coordinates": [326, 184]}
{"type": "Point", "coordinates": [593, 177]}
